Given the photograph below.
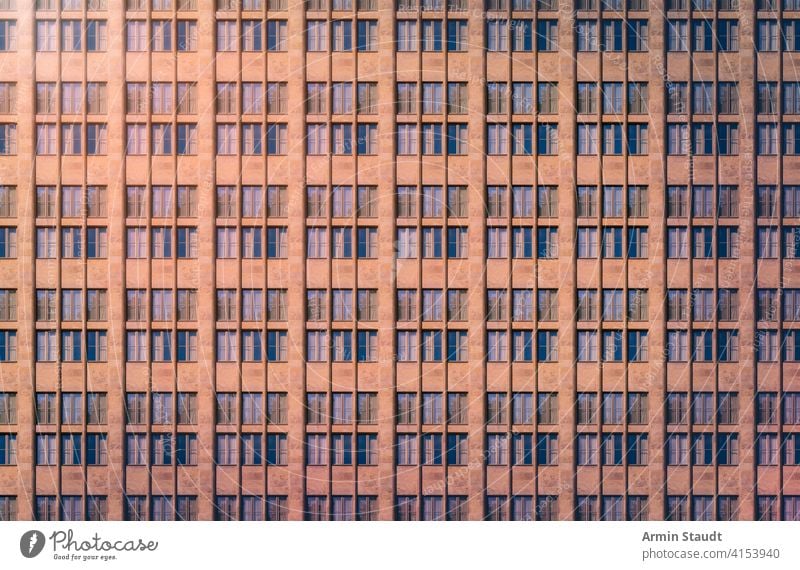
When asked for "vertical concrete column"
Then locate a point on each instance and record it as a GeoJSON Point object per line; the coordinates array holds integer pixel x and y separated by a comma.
{"type": "Point", "coordinates": [22, 170]}
{"type": "Point", "coordinates": [297, 255]}
{"type": "Point", "coordinates": [116, 297]}
{"type": "Point", "coordinates": [476, 190]}
{"type": "Point", "coordinates": [206, 264]}
{"type": "Point", "coordinates": [567, 258]}
{"type": "Point", "coordinates": [656, 281]}
{"type": "Point", "coordinates": [387, 278]}
{"type": "Point", "coordinates": [744, 71]}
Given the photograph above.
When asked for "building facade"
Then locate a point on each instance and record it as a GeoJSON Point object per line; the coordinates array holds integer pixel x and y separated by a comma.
{"type": "Point", "coordinates": [424, 260]}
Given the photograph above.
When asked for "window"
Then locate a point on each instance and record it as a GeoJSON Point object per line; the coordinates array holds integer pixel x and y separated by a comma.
{"type": "Point", "coordinates": [497, 346]}
{"type": "Point", "coordinates": [587, 449]}
{"type": "Point", "coordinates": [587, 243]}
{"type": "Point", "coordinates": [728, 242]}
{"type": "Point", "coordinates": [677, 408]}
{"type": "Point", "coordinates": [316, 200]}
{"type": "Point", "coordinates": [8, 35]}
{"type": "Point", "coordinates": [317, 35]}
{"type": "Point", "coordinates": [677, 243]}
{"type": "Point", "coordinates": [226, 35]}
{"type": "Point", "coordinates": [497, 35]}
{"type": "Point", "coordinates": [135, 99]}
{"type": "Point", "coordinates": [637, 139]}
{"type": "Point", "coordinates": [677, 449]}
{"type": "Point", "coordinates": [45, 345]}
{"type": "Point", "coordinates": [728, 35]}
{"type": "Point", "coordinates": [406, 98]}
{"type": "Point", "coordinates": [317, 243]}
{"type": "Point", "coordinates": [547, 139]}
{"type": "Point", "coordinates": [431, 139]}
{"type": "Point", "coordinates": [497, 449]}
{"type": "Point", "coordinates": [637, 304]}
{"type": "Point", "coordinates": [728, 408]}
{"type": "Point", "coordinates": [496, 408]}
{"type": "Point", "coordinates": [728, 98]}
{"type": "Point", "coordinates": [341, 35]}
{"type": "Point", "coordinates": [431, 98]}
{"type": "Point", "coordinates": [678, 139]}
{"type": "Point", "coordinates": [728, 346]}
{"type": "Point", "coordinates": [161, 35]}
{"type": "Point", "coordinates": [226, 99]}
{"type": "Point", "coordinates": [317, 139]}
{"type": "Point", "coordinates": [367, 35]}
{"type": "Point", "coordinates": [8, 408]}
{"type": "Point", "coordinates": [547, 346]}
{"type": "Point", "coordinates": [728, 449]}
{"type": "Point", "coordinates": [637, 98]}
{"type": "Point", "coordinates": [45, 138]}
{"type": "Point", "coordinates": [587, 139]}
{"type": "Point", "coordinates": [547, 100]}
{"type": "Point", "coordinates": [496, 305]}
{"type": "Point", "coordinates": [767, 98]}
{"type": "Point", "coordinates": [342, 139]}
{"type": "Point", "coordinates": [587, 346]}
{"type": "Point", "coordinates": [187, 35]}
{"type": "Point", "coordinates": [251, 35]}
{"type": "Point", "coordinates": [677, 346]}
{"type": "Point", "coordinates": [637, 346]}
{"type": "Point", "coordinates": [521, 35]}
{"type": "Point", "coordinates": [136, 140]}
{"type": "Point", "coordinates": [587, 35]}
{"type": "Point", "coordinates": [8, 449]}
{"type": "Point", "coordinates": [547, 35]}
{"type": "Point", "coordinates": [45, 35]}
{"type": "Point", "coordinates": [431, 449]}
{"type": "Point", "coordinates": [677, 305]}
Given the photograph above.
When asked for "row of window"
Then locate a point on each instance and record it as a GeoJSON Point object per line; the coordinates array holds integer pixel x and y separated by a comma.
{"type": "Point", "coordinates": [429, 139]}
{"type": "Point", "coordinates": [427, 305]}
{"type": "Point", "coordinates": [402, 5]}
{"type": "Point", "coordinates": [429, 201]}
{"type": "Point", "coordinates": [407, 508]}
{"type": "Point", "coordinates": [703, 139]}
{"type": "Point", "coordinates": [322, 5]}
{"type": "Point", "coordinates": [607, 449]}
{"type": "Point", "coordinates": [411, 201]}
{"type": "Point", "coordinates": [92, 242]}
{"type": "Point", "coordinates": [699, 97]}
{"type": "Point", "coordinates": [428, 35]}
{"type": "Point", "coordinates": [162, 201]}
{"type": "Point", "coordinates": [72, 410]}
{"type": "Point", "coordinates": [161, 409]}
{"type": "Point", "coordinates": [76, 449]}
{"type": "Point", "coordinates": [248, 242]}
{"type": "Point", "coordinates": [70, 507]}
{"type": "Point", "coordinates": [698, 201]}
{"type": "Point", "coordinates": [427, 408]}
{"type": "Point", "coordinates": [590, 97]}
{"type": "Point", "coordinates": [412, 346]}
{"type": "Point", "coordinates": [588, 508]}
{"type": "Point", "coordinates": [705, 449]}
{"type": "Point", "coordinates": [706, 243]}
{"type": "Point", "coordinates": [705, 97]}
{"type": "Point", "coordinates": [337, 449]}
{"type": "Point", "coordinates": [701, 304]}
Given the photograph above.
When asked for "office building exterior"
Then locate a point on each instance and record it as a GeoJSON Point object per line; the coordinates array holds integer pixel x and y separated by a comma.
{"type": "Point", "coordinates": [429, 260]}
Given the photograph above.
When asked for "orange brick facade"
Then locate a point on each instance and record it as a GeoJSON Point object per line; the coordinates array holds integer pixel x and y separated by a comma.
{"type": "Point", "coordinates": [490, 445]}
